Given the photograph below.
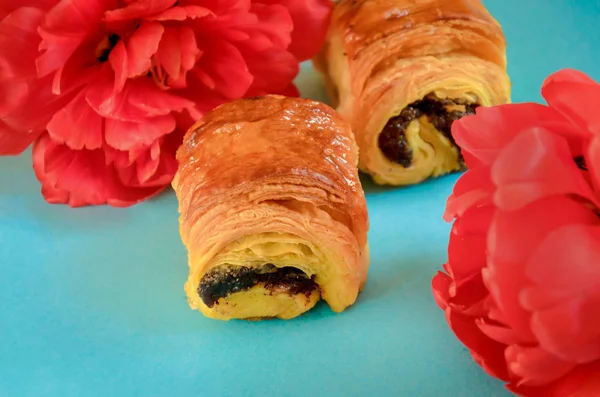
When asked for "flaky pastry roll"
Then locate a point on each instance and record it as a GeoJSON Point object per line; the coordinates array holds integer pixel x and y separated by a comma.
{"type": "Point", "coordinates": [272, 212]}
{"type": "Point", "coordinates": [401, 71]}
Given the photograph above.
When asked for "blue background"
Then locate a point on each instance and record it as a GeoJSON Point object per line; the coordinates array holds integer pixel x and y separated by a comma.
{"type": "Point", "coordinates": [92, 302]}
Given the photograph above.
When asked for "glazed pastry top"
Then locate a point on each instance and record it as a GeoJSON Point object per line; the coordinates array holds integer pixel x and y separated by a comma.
{"type": "Point", "coordinates": [364, 22]}
{"type": "Point", "coordinates": [297, 149]}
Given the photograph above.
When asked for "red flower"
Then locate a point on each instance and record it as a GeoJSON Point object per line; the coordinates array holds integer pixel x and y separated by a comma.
{"type": "Point", "coordinates": [105, 89]}
{"type": "Point", "coordinates": [522, 289]}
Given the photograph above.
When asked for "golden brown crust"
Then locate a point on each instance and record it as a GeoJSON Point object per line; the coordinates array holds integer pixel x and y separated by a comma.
{"type": "Point", "coordinates": [375, 47]}
{"type": "Point", "coordinates": [273, 165]}
{"type": "Point", "coordinates": [278, 141]}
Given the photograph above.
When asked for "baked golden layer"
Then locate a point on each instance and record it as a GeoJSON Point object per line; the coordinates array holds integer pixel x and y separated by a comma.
{"type": "Point", "coordinates": [432, 60]}
{"type": "Point", "coordinates": [272, 212]}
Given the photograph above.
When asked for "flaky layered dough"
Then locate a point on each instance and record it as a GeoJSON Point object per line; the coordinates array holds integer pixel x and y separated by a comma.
{"type": "Point", "coordinates": [272, 212]}
{"type": "Point", "coordinates": [401, 70]}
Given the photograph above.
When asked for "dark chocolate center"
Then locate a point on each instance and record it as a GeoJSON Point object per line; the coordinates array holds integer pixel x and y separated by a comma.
{"type": "Point", "coordinates": [223, 281]}
{"type": "Point", "coordinates": [392, 140]}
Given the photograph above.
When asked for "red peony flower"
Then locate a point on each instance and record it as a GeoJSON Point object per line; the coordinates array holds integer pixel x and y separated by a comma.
{"type": "Point", "coordinates": [105, 89]}
{"type": "Point", "coordinates": [522, 288]}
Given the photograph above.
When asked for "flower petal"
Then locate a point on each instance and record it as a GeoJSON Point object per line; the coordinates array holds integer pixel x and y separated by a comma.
{"type": "Point", "coordinates": [473, 188]}
{"type": "Point", "coordinates": [534, 366]}
{"type": "Point", "coordinates": [582, 381]}
{"type": "Point", "coordinates": [81, 177]}
{"type": "Point", "coordinates": [19, 41]}
{"type": "Point", "coordinates": [226, 69]}
{"type": "Point", "coordinates": [487, 352]}
{"type": "Point", "coordinates": [567, 262]}
{"type": "Point", "coordinates": [60, 39]}
{"type": "Point", "coordinates": [144, 96]}
{"type": "Point", "coordinates": [467, 247]}
{"type": "Point", "coordinates": [138, 9]}
{"type": "Point", "coordinates": [128, 135]}
{"type": "Point", "coordinates": [139, 99]}
{"type": "Point", "coordinates": [141, 46]}
{"type": "Point", "coordinates": [536, 164]}
{"type": "Point", "coordinates": [177, 52]}
{"type": "Point", "coordinates": [38, 106]}
{"type": "Point", "coordinates": [273, 28]}
{"type": "Point", "coordinates": [513, 237]}
{"type": "Point", "coordinates": [272, 70]}
{"type": "Point", "coordinates": [310, 20]}
{"type": "Point", "coordinates": [12, 95]}
{"type": "Point", "coordinates": [77, 125]}
{"type": "Point", "coordinates": [119, 59]}
{"type": "Point", "coordinates": [576, 96]}
{"type": "Point", "coordinates": [592, 159]}
{"type": "Point", "coordinates": [9, 6]}
{"type": "Point", "coordinates": [441, 285]}
{"type": "Point", "coordinates": [13, 142]}
{"type": "Point", "coordinates": [182, 13]}
{"type": "Point", "coordinates": [485, 134]}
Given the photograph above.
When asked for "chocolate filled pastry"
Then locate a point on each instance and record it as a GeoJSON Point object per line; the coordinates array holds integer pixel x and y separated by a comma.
{"type": "Point", "coordinates": [401, 71]}
{"type": "Point", "coordinates": [272, 212]}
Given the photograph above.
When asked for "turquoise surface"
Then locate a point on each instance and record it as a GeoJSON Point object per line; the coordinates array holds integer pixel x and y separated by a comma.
{"type": "Point", "coordinates": [92, 302]}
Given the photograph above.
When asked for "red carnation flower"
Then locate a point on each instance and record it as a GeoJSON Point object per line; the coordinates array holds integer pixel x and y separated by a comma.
{"type": "Point", "coordinates": [105, 89]}
{"type": "Point", "coordinates": [522, 289]}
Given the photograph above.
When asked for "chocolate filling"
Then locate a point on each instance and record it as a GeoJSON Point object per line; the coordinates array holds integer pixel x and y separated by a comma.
{"type": "Point", "coordinates": [223, 281]}
{"type": "Point", "coordinates": [392, 140]}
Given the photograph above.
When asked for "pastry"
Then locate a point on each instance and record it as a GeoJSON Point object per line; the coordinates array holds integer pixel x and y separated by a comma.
{"type": "Point", "coordinates": [401, 71]}
{"type": "Point", "coordinates": [272, 212]}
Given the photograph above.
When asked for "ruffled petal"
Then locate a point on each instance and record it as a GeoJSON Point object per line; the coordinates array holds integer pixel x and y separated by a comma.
{"type": "Point", "coordinates": [567, 262]}
{"type": "Point", "coordinates": [273, 28]}
{"type": "Point", "coordinates": [182, 13]}
{"type": "Point", "coordinates": [128, 135]}
{"type": "Point", "coordinates": [37, 107]}
{"type": "Point", "coordinates": [271, 70]}
{"type": "Point", "coordinates": [592, 160]}
{"type": "Point", "coordinates": [441, 284]}
{"type": "Point", "coordinates": [138, 9]}
{"type": "Point", "coordinates": [224, 70]}
{"type": "Point", "coordinates": [536, 164]}
{"type": "Point", "coordinates": [8, 6]}
{"type": "Point", "coordinates": [310, 20]}
{"type": "Point", "coordinates": [148, 101]}
{"type": "Point", "coordinates": [12, 95]}
{"type": "Point", "coordinates": [139, 99]}
{"type": "Point", "coordinates": [467, 247]}
{"type": "Point", "coordinates": [141, 46]}
{"type": "Point", "coordinates": [13, 142]}
{"type": "Point", "coordinates": [512, 239]}
{"type": "Point", "coordinates": [60, 39]}
{"type": "Point", "coordinates": [534, 366]}
{"type": "Point", "coordinates": [487, 352]}
{"type": "Point", "coordinates": [19, 41]}
{"type": "Point", "coordinates": [484, 135]}
{"type": "Point", "coordinates": [177, 54]}
{"type": "Point", "coordinates": [582, 381]}
{"type": "Point", "coordinates": [576, 96]}
{"type": "Point", "coordinates": [81, 177]}
{"type": "Point", "coordinates": [118, 60]}
{"type": "Point", "coordinates": [77, 125]}
{"type": "Point", "coordinates": [499, 333]}
{"type": "Point", "coordinates": [473, 188]}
